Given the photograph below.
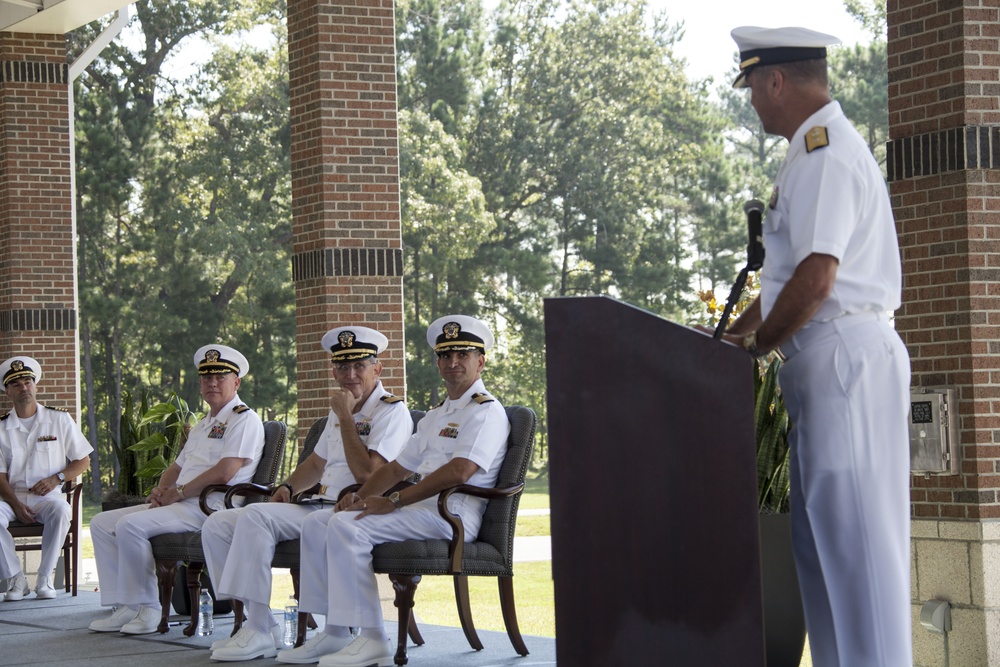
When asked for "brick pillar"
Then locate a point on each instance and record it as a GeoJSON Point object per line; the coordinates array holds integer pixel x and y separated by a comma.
{"type": "Point", "coordinates": [348, 257]}
{"type": "Point", "coordinates": [944, 173]}
{"type": "Point", "coordinates": [38, 304]}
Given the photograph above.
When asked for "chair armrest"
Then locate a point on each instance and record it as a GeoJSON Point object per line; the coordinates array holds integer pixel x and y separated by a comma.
{"type": "Point", "coordinates": [350, 488]}
{"type": "Point", "coordinates": [456, 547]}
{"type": "Point", "coordinates": [73, 494]}
{"type": "Point", "coordinates": [203, 496]}
{"type": "Point", "coordinates": [246, 489]}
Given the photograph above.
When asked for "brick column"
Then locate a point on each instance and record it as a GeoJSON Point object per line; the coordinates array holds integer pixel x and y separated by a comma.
{"type": "Point", "coordinates": [38, 304]}
{"type": "Point", "coordinates": [348, 258]}
{"type": "Point", "coordinates": [944, 172]}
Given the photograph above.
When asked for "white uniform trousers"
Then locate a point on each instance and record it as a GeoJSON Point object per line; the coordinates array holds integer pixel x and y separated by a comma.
{"type": "Point", "coordinates": [337, 575]}
{"type": "Point", "coordinates": [250, 534]}
{"type": "Point", "coordinates": [125, 565]}
{"type": "Point", "coordinates": [55, 513]}
{"type": "Point", "coordinates": [847, 394]}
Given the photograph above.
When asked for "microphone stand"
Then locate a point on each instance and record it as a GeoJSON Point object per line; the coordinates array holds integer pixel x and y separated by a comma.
{"type": "Point", "coordinates": [755, 259]}
{"type": "Point", "coordinates": [734, 296]}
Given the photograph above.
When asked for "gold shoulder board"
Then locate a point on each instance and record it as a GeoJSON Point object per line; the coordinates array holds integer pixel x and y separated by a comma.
{"type": "Point", "coordinates": [816, 138]}
{"type": "Point", "coordinates": [482, 398]}
{"type": "Point", "coordinates": [49, 407]}
{"type": "Point", "coordinates": [7, 414]}
{"type": "Point", "coordinates": [240, 409]}
{"type": "Point", "coordinates": [389, 398]}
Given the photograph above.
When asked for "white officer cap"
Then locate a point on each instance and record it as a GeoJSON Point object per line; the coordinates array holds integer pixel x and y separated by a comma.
{"type": "Point", "coordinates": [21, 367]}
{"type": "Point", "coordinates": [773, 46]}
{"type": "Point", "coordinates": [217, 358]}
{"type": "Point", "coordinates": [353, 342]}
{"type": "Point", "coordinates": [459, 332]}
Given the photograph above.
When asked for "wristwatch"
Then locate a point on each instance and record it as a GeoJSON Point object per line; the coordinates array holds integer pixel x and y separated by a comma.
{"type": "Point", "coordinates": [750, 343]}
{"type": "Point", "coordinates": [396, 501]}
{"type": "Point", "coordinates": [61, 477]}
{"type": "Point", "coordinates": [288, 486]}
{"type": "Point", "coordinates": [180, 490]}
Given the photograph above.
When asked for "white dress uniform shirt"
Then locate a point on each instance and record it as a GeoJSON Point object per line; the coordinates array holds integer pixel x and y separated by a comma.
{"type": "Point", "coordinates": [840, 208]}
{"type": "Point", "coordinates": [385, 425]}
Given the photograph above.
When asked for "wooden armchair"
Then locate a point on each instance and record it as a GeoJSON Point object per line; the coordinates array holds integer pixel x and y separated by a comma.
{"type": "Point", "coordinates": [171, 548]}
{"type": "Point", "coordinates": [71, 545]}
{"type": "Point", "coordinates": [491, 554]}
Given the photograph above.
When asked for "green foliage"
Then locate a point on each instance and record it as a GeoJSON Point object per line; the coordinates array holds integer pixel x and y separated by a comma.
{"type": "Point", "coordinates": [150, 438]}
{"type": "Point", "coordinates": [771, 419]}
{"type": "Point", "coordinates": [859, 80]}
{"type": "Point", "coordinates": [184, 211]}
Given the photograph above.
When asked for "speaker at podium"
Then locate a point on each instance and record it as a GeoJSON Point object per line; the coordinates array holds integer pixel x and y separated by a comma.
{"type": "Point", "coordinates": [655, 545]}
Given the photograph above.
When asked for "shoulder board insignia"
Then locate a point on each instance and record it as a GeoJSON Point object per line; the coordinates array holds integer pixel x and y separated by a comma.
{"type": "Point", "coordinates": [816, 138]}
{"type": "Point", "coordinates": [482, 398]}
{"type": "Point", "coordinates": [240, 409]}
{"type": "Point", "coordinates": [49, 407]}
{"type": "Point", "coordinates": [438, 405]}
{"type": "Point", "coordinates": [389, 398]}
{"type": "Point", "coordinates": [6, 414]}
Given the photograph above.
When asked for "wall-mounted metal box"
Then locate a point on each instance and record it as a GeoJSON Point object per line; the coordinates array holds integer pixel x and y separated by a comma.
{"type": "Point", "coordinates": [934, 443]}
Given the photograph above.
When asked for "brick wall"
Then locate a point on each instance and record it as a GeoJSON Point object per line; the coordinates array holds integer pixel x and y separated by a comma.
{"type": "Point", "coordinates": [37, 258]}
{"type": "Point", "coordinates": [943, 159]}
{"type": "Point", "coordinates": [347, 263]}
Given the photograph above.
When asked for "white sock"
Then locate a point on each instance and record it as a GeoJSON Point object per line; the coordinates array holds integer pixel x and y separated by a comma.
{"type": "Point", "coordinates": [337, 630]}
{"type": "Point", "coordinates": [258, 616]}
{"type": "Point", "coordinates": [376, 634]}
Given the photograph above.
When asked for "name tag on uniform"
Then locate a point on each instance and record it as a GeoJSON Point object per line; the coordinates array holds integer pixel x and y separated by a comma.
{"type": "Point", "coordinates": [449, 431]}
{"type": "Point", "coordinates": [47, 438]}
{"type": "Point", "coordinates": [218, 432]}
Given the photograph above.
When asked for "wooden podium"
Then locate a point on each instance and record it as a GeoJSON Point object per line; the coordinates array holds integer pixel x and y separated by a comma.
{"type": "Point", "coordinates": [655, 547]}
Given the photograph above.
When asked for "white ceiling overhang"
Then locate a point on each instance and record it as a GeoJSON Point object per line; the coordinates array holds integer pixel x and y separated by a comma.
{"type": "Point", "coordinates": [53, 17]}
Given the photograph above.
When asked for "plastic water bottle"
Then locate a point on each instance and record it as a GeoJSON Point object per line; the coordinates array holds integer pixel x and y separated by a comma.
{"type": "Point", "coordinates": [291, 621]}
{"type": "Point", "coordinates": [206, 624]}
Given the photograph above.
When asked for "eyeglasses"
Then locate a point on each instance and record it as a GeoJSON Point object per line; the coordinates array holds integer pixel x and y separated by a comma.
{"type": "Point", "coordinates": [358, 367]}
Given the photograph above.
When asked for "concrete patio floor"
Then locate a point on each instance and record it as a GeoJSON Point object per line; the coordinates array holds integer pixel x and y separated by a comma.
{"type": "Point", "coordinates": [55, 632]}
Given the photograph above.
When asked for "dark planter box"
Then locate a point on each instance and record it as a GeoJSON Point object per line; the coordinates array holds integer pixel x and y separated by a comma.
{"type": "Point", "coordinates": [784, 620]}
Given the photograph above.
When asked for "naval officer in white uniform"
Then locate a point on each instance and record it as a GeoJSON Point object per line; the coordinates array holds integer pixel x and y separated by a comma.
{"type": "Point", "coordinates": [831, 275]}
{"type": "Point", "coordinates": [40, 448]}
{"type": "Point", "coordinates": [223, 448]}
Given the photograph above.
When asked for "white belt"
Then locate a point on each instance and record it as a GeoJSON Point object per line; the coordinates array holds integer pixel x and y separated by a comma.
{"type": "Point", "coordinates": [817, 331]}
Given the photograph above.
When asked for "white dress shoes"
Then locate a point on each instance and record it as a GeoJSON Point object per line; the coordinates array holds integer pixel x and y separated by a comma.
{"type": "Point", "coordinates": [43, 589]}
{"type": "Point", "coordinates": [276, 633]}
{"type": "Point", "coordinates": [315, 648]}
{"type": "Point", "coordinates": [246, 644]}
{"type": "Point", "coordinates": [362, 652]}
{"type": "Point", "coordinates": [17, 588]}
{"type": "Point", "coordinates": [144, 623]}
{"type": "Point", "coordinates": [114, 623]}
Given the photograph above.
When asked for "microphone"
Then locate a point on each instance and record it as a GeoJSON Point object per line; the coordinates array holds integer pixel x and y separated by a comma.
{"type": "Point", "coordinates": [755, 228]}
